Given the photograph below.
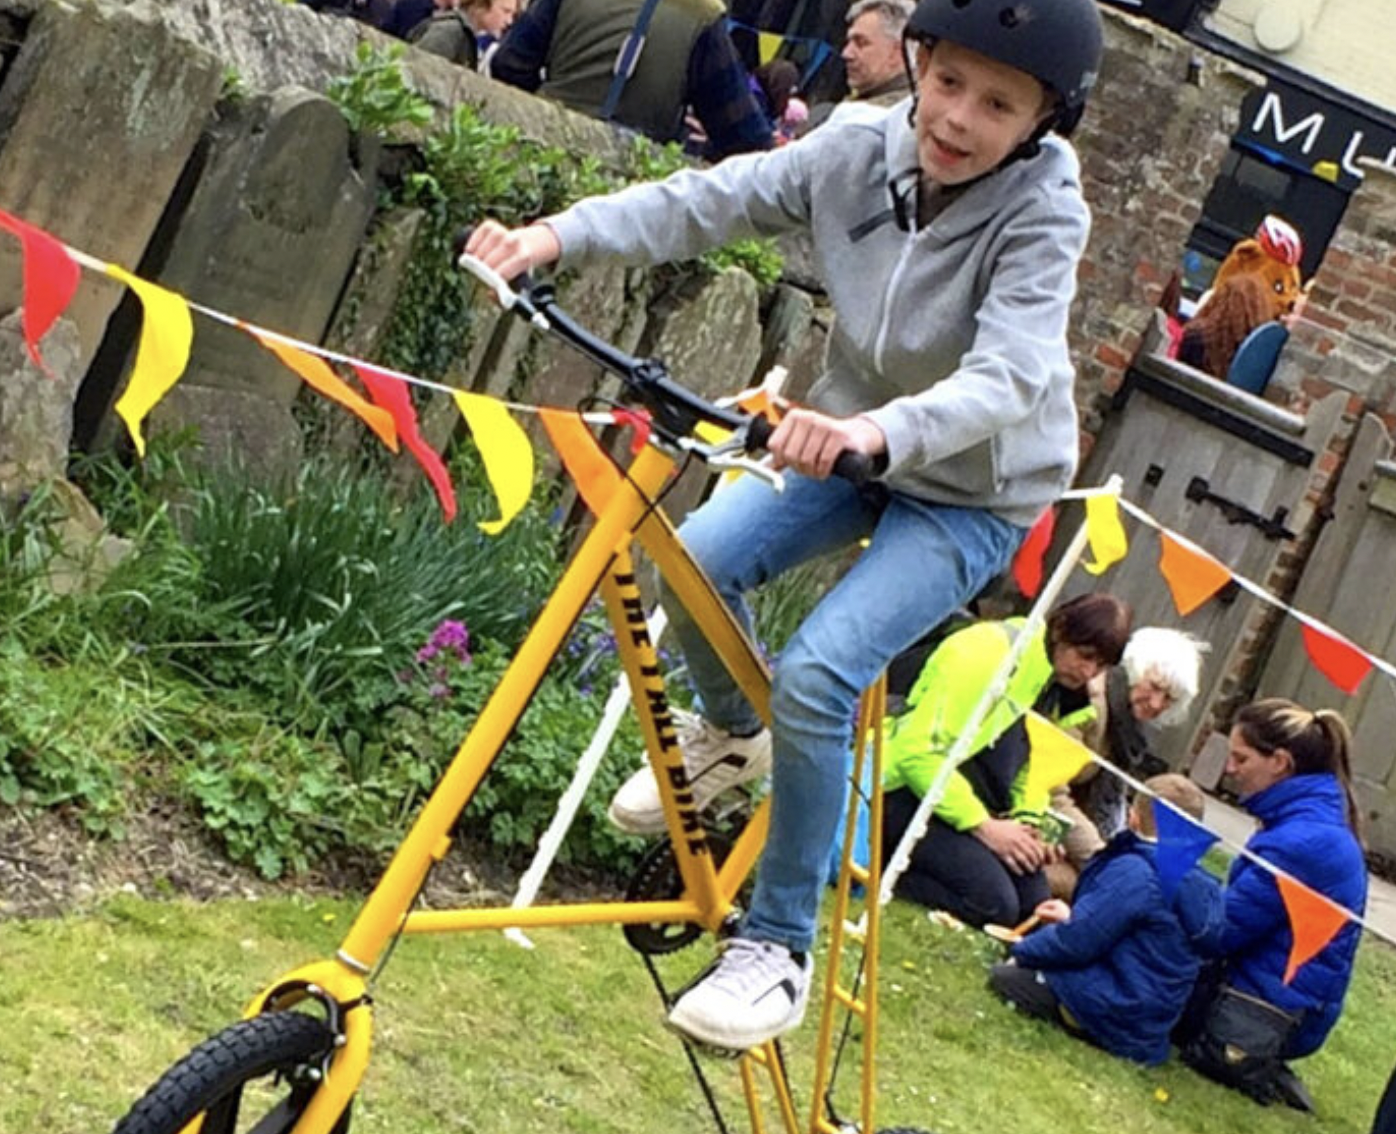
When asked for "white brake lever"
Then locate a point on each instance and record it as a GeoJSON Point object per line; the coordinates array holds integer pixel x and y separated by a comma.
{"type": "Point", "coordinates": [507, 297]}
{"type": "Point", "coordinates": [729, 455]}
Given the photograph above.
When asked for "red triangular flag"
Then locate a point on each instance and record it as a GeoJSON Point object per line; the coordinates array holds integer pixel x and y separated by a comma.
{"type": "Point", "coordinates": [1336, 658]}
{"type": "Point", "coordinates": [639, 420]}
{"type": "Point", "coordinates": [1192, 575]}
{"type": "Point", "coordinates": [391, 393]}
{"type": "Point", "coordinates": [1027, 563]}
{"type": "Point", "coordinates": [50, 279]}
{"type": "Point", "coordinates": [1314, 920]}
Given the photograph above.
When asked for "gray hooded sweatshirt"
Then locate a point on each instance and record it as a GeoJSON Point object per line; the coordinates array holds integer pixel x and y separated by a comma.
{"type": "Point", "coordinates": [950, 337]}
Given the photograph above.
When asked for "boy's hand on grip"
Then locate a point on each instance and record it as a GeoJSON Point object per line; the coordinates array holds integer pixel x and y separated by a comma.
{"type": "Point", "coordinates": [810, 442]}
{"type": "Point", "coordinates": [513, 252]}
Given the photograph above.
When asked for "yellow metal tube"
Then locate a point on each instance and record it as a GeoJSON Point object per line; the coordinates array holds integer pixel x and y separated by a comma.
{"type": "Point", "coordinates": [542, 917]}
{"type": "Point", "coordinates": [382, 914]}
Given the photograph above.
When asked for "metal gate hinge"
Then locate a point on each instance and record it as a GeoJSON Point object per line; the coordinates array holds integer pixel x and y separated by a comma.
{"type": "Point", "coordinates": [1273, 528]}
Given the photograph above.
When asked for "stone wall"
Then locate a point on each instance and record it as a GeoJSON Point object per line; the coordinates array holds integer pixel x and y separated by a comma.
{"type": "Point", "coordinates": [115, 134]}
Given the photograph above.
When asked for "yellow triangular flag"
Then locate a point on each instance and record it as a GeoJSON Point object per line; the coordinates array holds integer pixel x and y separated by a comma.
{"type": "Point", "coordinates": [504, 449]}
{"type": "Point", "coordinates": [767, 44]}
{"type": "Point", "coordinates": [1054, 757]}
{"type": "Point", "coordinates": [1105, 532]}
{"type": "Point", "coordinates": [166, 338]}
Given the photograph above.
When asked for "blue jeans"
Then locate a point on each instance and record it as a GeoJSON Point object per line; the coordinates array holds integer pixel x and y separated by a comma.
{"type": "Point", "coordinates": [924, 561]}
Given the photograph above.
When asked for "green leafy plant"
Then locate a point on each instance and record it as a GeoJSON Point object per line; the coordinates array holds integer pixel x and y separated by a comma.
{"type": "Point", "coordinates": [375, 97]}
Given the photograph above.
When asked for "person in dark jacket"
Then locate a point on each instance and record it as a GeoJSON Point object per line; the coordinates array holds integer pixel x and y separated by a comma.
{"type": "Point", "coordinates": [1118, 966]}
{"type": "Point", "coordinates": [566, 50]}
{"type": "Point", "coordinates": [1292, 770]}
{"type": "Point", "coordinates": [1385, 1120]}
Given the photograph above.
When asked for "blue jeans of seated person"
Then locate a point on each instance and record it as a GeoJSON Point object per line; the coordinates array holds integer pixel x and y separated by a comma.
{"type": "Point", "coordinates": [924, 561]}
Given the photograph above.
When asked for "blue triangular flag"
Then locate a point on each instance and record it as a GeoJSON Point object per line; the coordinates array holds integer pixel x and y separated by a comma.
{"type": "Point", "coordinates": [1182, 842]}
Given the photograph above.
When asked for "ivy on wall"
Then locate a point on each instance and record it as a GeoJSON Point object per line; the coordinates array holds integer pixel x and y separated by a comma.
{"type": "Point", "coordinates": [468, 169]}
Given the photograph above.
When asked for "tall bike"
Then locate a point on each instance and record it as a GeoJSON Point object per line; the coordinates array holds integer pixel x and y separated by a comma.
{"type": "Point", "coordinates": [299, 1055]}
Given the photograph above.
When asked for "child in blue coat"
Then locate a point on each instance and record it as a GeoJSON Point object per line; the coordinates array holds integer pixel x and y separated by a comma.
{"type": "Point", "coordinates": [1118, 967]}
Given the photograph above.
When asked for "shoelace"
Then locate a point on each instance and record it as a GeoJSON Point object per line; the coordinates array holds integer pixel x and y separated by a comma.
{"type": "Point", "coordinates": [749, 965]}
{"type": "Point", "coordinates": [697, 738]}
{"type": "Point", "coordinates": [689, 726]}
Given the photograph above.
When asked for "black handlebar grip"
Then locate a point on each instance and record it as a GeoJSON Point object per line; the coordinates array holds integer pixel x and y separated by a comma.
{"type": "Point", "coordinates": [856, 468]}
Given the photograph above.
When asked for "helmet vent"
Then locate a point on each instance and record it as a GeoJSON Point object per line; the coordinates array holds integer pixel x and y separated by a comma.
{"type": "Point", "coordinates": [960, 3]}
{"type": "Point", "coordinates": [1013, 17]}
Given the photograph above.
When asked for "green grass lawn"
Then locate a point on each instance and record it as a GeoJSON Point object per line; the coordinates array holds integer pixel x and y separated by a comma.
{"type": "Point", "coordinates": [476, 1035]}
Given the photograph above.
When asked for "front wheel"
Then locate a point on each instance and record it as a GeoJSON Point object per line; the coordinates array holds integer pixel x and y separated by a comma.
{"type": "Point", "coordinates": [257, 1075]}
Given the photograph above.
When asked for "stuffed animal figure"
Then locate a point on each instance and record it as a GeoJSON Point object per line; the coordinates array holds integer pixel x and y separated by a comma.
{"type": "Point", "coordinates": [1258, 281]}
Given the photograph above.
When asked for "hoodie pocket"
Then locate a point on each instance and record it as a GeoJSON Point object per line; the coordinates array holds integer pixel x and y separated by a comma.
{"type": "Point", "coordinates": [975, 472]}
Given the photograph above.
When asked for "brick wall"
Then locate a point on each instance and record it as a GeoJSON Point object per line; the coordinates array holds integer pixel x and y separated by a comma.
{"type": "Point", "coordinates": [1347, 338]}
{"type": "Point", "coordinates": [1152, 142]}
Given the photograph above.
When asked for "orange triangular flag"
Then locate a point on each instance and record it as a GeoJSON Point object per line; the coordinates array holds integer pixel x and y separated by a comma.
{"type": "Point", "coordinates": [759, 402]}
{"type": "Point", "coordinates": [586, 462]}
{"type": "Point", "coordinates": [1336, 658]}
{"type": "Point", "coordinates": [318, 375]}
{"type": "Point", "coordinates": [1192, 575]}
{"type": "Point", "coordinates": [1314, 920]}
{"type": "Point", "coordinates": [1028, 562]}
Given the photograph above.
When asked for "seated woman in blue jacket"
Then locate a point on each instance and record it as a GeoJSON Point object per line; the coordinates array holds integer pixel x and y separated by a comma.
{"type": "Point", "coordinates": [1117, 966]}
{"type": "Point", "coordinates": [1293, 771]}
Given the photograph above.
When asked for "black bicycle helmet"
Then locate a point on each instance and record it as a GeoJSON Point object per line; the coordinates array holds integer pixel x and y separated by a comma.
{"type": "Point", "coordinates": [1058, 42]}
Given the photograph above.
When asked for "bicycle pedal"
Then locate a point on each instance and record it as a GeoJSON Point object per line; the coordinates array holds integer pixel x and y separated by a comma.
{"type": "Point", "coordinates": [703, 1048]}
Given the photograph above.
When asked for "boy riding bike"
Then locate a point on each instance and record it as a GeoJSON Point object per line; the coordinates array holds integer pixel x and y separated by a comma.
{"type": "Point", "coordinates": [948, 231]}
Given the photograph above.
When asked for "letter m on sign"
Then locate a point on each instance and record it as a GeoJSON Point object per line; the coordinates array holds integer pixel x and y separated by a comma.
{"type": "Point", "coordinates": [1272, 112]}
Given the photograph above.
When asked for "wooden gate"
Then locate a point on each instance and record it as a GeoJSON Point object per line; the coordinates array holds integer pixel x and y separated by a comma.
{"type": "Point", "coordinates": [1349, 583]}
{"type": "Point", "coordinates": [1227, 470]}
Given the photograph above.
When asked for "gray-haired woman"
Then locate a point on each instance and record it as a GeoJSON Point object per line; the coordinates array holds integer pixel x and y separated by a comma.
{"type": "Point", "coordinates": [1153, 686]}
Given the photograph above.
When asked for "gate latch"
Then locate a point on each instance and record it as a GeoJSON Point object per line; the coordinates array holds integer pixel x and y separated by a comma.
{"type": "Point", "coordinates": [1199, 490]}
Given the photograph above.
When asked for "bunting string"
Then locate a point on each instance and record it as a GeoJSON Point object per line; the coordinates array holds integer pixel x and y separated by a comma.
{"type": "Point", "coordinates": [1341, 660]}
{"type": "Point", "coordinates": [49, 280]}
{"type": "Point", "coordinates": [50, 273]}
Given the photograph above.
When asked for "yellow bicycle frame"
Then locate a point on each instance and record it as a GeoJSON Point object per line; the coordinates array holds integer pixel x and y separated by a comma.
{"type": "Point", "coordinates": [603, 562]}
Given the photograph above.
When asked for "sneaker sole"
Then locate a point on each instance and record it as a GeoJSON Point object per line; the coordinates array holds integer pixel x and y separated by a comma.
{"type": "Point", "coordinates": [733, 1043]}
{"type": "Point", "coordinates": [624, 822]}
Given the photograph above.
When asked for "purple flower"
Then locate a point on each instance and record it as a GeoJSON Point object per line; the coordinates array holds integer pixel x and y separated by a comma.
{"type": "Point", "coordinates": [439, 690]}
{"type": "Point", "coordinates": [449, 635]}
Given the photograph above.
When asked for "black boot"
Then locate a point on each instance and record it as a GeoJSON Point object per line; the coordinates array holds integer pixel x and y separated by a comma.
{"type": "Point", "coordinates": [1290, 1090]}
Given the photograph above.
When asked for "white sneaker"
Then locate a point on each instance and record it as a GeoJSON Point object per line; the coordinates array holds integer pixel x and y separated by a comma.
{"type": "Point", "coordinates": [715, 761]}
{"type": "Point", "coordinates": [752, 993]}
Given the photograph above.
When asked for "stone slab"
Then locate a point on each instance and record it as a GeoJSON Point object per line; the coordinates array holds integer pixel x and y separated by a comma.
{"type": "Point", "coordinates": [98, 116]}
{"type": "Point", "coordinates": [269, 235]}
{"type": "Point", "coordinates": [36, 409]}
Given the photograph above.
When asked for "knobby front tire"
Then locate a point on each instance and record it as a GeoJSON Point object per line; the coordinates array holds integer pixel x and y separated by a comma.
{"type": "Point", "coordinates": [263, 1065]}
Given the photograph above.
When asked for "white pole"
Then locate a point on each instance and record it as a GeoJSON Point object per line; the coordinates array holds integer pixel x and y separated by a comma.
{"type": "Point", "coordinates": [960, 751]}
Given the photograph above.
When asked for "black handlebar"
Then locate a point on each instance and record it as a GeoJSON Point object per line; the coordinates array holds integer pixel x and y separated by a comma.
{"type": "Point", "coordinates": [858, 468]}
{"type": "Point", "coordinates": [676, 410]}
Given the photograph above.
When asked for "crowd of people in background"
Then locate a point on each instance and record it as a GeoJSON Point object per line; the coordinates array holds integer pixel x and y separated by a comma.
{"type": "Point", "coordinates": [670, 70]}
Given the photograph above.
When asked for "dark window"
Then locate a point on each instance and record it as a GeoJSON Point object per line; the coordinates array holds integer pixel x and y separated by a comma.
{"type": "Point", "coordinates": [1253, 182]}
